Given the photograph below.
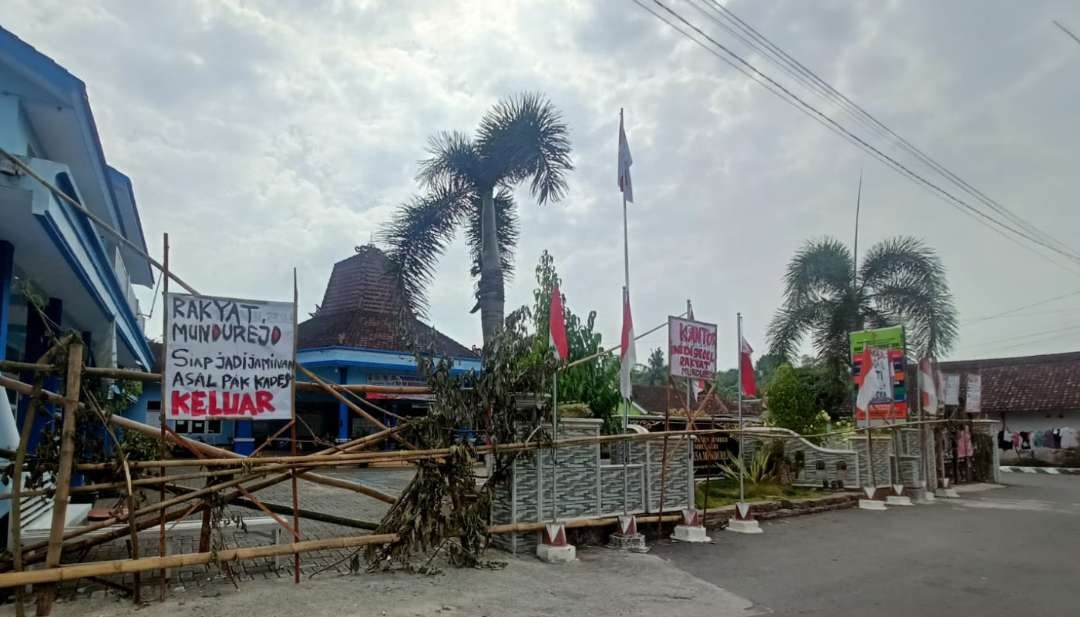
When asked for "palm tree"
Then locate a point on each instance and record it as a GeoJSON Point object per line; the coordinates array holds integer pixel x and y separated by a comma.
{"type": "Point", "coordinates": [900, 281]}
{"type": "Point", "coordinates": [468, 182]}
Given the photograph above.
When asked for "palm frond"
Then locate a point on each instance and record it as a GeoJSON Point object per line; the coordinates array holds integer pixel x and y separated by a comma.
{"type": "Point", "coordinates": [506, 228]}
{"type": "Point", "coordinates": [906, 280]}
{"type": "Point", "coordinates": [418, 235]}
{"type": "Point", "coordinates": [525, 137]}
{"type": "Point", "coordinates": [902, 258]}
{"type": "Point", "coordinates": [789, 326]}
{"type": "Point", "coordinates": [820, 269]}
{"type": "Point", "coordinates": [452, 161]}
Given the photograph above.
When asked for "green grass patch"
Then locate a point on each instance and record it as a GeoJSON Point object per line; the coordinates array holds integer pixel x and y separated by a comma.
{"type": "Point", "coordinates": [725, 492]}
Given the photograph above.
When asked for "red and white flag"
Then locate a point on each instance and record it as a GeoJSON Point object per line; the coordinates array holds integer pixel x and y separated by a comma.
{"type": "Point", "coordinates": [746, 368]}
{"type": "Point", "coordinates": [557, 326]}
{"type": "Point", "coordinates": [625, 161]}
{"type": "Point", "coordinates": [627, 355]}
{"type": "Point", "coordinates": [928, 387]}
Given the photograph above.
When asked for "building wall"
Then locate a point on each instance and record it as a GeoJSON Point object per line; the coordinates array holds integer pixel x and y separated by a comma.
{"type": "Point", "coordinates": [1034, 421]}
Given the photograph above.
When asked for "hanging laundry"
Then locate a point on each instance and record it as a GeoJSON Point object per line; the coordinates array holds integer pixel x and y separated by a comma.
{"type": "Point", "coordinates": [1025, 440]}
{"type": "Point", "coordinates": [1016, 441]}
{"type": "Point", "coordinates": [1069, 438]}
{"type": "Point", "coordinates": [1056, 434]}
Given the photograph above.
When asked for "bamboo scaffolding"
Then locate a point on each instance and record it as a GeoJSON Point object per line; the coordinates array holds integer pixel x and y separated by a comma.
{"type": "Point", "coordinates": [126, 566]}
{"type": "Point", "coordinates": [72, 389]}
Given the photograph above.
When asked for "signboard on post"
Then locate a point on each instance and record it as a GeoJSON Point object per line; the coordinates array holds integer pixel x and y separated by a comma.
{"type": "Point", "coordinates": [891, 406]}
{"type": "Point", "coordinates": [228, 358]}
{"type": "Point", "coordinates": [973, 402]}
{"type": "Point", "coordinates": [950, 384]}
{"type": "Point", "coordinates": [691, 348]}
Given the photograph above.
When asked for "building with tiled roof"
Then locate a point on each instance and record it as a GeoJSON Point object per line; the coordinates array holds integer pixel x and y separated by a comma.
{"type": "Point", "coordinates": [1029, 393]}
{"type": "Point", "coordinates": [362, 333]}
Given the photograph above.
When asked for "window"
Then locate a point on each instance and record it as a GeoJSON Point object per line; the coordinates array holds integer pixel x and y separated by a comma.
{"type": "Point", "coordinates": [153, 405]}
{"type": "Point", "coordinates": [841, 465]}
{"type": "Point", "coordinates": [213, 426]}
{"type": "Point", "coordinates": [181, 426]}
{"type": "Point", "coordinates": [819, 465]}
{"type": "Point", "coordinates": [198, 426]}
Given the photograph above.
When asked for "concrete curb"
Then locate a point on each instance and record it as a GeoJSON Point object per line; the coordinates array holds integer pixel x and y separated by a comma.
{"type": "Point", "coordinates": [784, 508]}
{"type": "Point", "coordinates": [1053, 471]}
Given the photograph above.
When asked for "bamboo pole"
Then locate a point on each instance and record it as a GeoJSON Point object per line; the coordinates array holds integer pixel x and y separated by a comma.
{"type": "Point", "coordinates": [72, 388]}
{"type": "Point", "coordinates": [137, 578]}
{"type": "Point", "coordinates": [351, 405]}
{"type": "Point", "coordinates": [16, 490]}
{"type": "Point", "coordinates": [101, 225]}
{"type": "Point", "coordinates": [126, 566]}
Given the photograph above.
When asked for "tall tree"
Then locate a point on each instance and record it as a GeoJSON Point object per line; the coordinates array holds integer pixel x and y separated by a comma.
{"type": "Point", "coordinates": [901, 282]}
{"type": "Point", "coordinates": [468, 182]}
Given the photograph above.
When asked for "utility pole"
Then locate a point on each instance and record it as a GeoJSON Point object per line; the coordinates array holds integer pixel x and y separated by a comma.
{"type": "Point", "coordinates": [1067, 32]}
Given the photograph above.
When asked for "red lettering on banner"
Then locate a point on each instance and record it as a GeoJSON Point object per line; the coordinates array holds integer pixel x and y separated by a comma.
{"type": "Point", "coordinates": [179, 403]}
{"type": "Point", "coordinates": [198, 403]}
{"type": "Point", "coordinates": [264, 401]}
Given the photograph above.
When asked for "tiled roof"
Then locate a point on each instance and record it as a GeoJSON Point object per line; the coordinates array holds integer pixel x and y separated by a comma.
{"type": "Point", "coordinates": [1031, 383]}
{"type": "Point", "coordinates": [361, 308]}
{"type": "Point", "coordinates": [654, 400]}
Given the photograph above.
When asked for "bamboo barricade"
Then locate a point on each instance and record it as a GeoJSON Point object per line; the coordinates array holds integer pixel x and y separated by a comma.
{"type": "Point", "coordinates": [126, 566]}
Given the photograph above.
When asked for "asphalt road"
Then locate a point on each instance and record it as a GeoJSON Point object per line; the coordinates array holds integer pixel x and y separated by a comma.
{"type": "Point", "coordinates": [1009, 551]}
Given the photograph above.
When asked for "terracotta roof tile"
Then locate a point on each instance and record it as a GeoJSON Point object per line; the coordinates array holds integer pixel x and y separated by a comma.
{"type": "Point", "coordinates": [361, 308]}
{"type": "Point", "coordinates": [1032, 383]}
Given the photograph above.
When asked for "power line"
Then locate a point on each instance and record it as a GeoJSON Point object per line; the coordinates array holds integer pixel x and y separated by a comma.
{"type": "Point", "coordinates": [1026, 306]}
{"type": "Point", "coordinates": [785, 94]}
{"type": "Point", "coordinates": [795, 68]}
{"type": "Point", "coordinates": [1068, 32]}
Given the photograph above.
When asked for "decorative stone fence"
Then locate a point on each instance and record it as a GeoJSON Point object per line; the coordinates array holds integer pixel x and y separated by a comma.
{"type": "Point", "coordinates": [587, 485]}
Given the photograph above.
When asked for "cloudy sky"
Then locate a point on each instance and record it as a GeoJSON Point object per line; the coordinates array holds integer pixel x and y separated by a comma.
{"type": "Point", "coordinates": [267, 135]}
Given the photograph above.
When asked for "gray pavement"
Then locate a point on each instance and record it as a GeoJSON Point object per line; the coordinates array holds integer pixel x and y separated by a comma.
{"type": "Point", "coordinates": [1009, 551]}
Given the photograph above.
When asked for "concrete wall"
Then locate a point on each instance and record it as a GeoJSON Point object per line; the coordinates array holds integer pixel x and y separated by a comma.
{"type": "Point", "coordinates": [587, 486]}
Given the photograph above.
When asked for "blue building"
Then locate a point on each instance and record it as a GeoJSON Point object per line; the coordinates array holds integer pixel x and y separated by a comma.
{"type": "Point", "coordinates": [361, 333]}
{"type": "Point", "coordinates": [58, 271]}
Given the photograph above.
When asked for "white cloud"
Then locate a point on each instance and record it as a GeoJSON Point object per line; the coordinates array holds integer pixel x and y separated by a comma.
{"type": "Point", "coordinates": [264, 136]}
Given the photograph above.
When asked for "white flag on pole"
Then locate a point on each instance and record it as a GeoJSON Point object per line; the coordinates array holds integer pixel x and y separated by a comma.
{"type": "Point", "coordinates": [625, 161]}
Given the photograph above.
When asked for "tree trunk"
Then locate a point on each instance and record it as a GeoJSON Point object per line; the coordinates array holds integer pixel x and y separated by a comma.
{"type": "Point", "coordinates": [490, 295]}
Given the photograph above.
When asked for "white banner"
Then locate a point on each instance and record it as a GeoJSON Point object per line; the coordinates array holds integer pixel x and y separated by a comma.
{"type": "Point", "coordinates": [691, 348]}
{"type": "Point", "coordinates": [951, 388]}
{"type": "Point", "coordinates": [973, 403]}
{"type": "Point", "coordinates": [228, 358]}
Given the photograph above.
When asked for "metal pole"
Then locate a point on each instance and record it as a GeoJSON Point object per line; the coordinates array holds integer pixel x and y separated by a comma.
{"type": "Point", "coordinates": [690, 423]}
{"type": "Point", "coordinates": [554, 438]}
{"type": "Point", "coordinates": [163, 411]}
{"type": "Point", "coordinates": [742, 460]}
{"type": "Point", "coordinates": [626, 298]}
{"type": "Point", "coordinates": [292, 438]}
{"type": "Point", "coordinates": [922, 426]}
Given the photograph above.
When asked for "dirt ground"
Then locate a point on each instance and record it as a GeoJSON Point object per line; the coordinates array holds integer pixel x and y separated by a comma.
{"type": "Point", "coordinates": [602, 582]}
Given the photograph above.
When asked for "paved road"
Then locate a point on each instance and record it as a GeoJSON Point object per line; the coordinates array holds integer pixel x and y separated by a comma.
{"type": "Point", "coordinates": [1010, 551]}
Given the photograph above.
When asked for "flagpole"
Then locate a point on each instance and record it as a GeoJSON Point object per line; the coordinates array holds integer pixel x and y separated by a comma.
{"type": "Point", "coordinates": [742, 459]}
{"type": "Point", "coordinates": [692, 505]}
{"type": "Point", "coordinates": [626, 298]}
{"type": "Point", "coordinates": [554, 438]}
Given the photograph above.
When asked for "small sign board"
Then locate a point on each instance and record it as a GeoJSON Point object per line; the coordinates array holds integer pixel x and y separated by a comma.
{"type": "Point", "coordinates": [973, 400]}
{"type": "Point", "coordinates": [950, 385]}
{"type": "Point", "coordinates": [691, 348]}
{"type": "Point", "coordinates": [228, 358]}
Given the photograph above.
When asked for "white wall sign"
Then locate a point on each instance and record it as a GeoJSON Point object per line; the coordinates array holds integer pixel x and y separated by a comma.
{"type": "Point", "coordinates": [691, 348]}
{"type": "Point", "coordinates": [228, 358]}
{"type": "Point", "coordinates": [973, 404]}
{"type": "Point", "coordinates": [951, 388]}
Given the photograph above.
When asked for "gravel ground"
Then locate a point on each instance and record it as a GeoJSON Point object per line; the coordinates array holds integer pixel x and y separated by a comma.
{"type": "Point", "coordinates": [601, 583]}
